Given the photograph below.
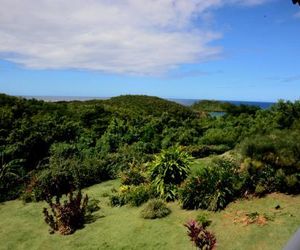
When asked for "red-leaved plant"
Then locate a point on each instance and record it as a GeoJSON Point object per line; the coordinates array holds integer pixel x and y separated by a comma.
{"type": "Point", "coordinates": [68, 216]}
{"type": "Point", "coordinates": [203, 239]}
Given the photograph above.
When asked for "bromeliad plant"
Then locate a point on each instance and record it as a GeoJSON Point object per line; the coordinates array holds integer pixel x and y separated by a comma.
{"type": "Point", "coordinates": [202, 239]}
{"type": "Point", "coordinates": [68, 216]}
{"type": "Point", "coordinates": [169, 169]}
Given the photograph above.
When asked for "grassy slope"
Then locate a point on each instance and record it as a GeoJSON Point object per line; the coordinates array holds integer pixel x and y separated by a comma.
{"type": "Point", "coordinates": [22, 226]}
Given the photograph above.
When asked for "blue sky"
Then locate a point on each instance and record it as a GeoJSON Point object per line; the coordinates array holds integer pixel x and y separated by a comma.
{"type": "Point", "coordinates": [228, 50]}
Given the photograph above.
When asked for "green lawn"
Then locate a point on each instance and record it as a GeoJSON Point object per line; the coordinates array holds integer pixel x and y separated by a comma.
{"type": "Point", "coordinates": [22, 226]}
{"type": "Point", "coordinates": [199, 163]}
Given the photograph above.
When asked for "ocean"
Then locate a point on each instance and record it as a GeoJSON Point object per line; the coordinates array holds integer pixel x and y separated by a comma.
{"type": "Point", "coordinates": [189, 102]}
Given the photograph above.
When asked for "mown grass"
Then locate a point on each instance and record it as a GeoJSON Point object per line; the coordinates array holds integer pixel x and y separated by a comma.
{"type": "Point", "coordinates": [22, 226]}
{"type": "Point", "coordinates": [199, 163]}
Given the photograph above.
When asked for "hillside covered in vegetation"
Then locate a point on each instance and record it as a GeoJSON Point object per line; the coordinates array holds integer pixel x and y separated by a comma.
{"type": "Point", "coordinates": [40, 140]}
{"type": "Point", "coordinates": [49, 149]}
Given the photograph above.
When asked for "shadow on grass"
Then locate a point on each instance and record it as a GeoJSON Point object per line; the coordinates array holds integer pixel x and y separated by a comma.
{"type": "Point", "coordinates": [90, 218]}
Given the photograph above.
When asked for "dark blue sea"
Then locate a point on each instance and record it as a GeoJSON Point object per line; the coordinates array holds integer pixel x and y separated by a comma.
{"type": "Point", "coordinates": [186, 102]}
{"type": "Point", "coordinates": [189, 102]}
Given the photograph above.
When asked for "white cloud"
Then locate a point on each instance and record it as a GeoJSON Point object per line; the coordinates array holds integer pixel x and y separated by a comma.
{"type": "Point", "coordinates": [113, 36]}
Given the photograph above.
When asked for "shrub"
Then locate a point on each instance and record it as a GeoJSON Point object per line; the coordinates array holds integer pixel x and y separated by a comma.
{"type": "Point", "coordinates": [132, 176]}
{"type": "Point", "coordinates": [202, 239]}
{"type": "Point", "coordinates": [92, 170]}
{"type": "Point", "coordinates": [116, 162]}
{"type": "Point", "coordinates": [260, 190]}
{"type": "Point", "coordinates": [53, 182]}
{"type": "Point", "coordinates": [261, 178]}
{"type": "Point", "coordinates": [203, 220]}
{"type": "Point", "coordinates": [133, 195]}
{"type": "Point", "coordinates": [63, 150]}
{"type": "Point", "coordinates": [68, 216]}
{"type": "Point", "coordinates": [220, 136]}
{"type": "Point", "coordinates": [212, 188]}
{"type": "Point", "coordinates": [64, 175]}
{"type": "Point", "coordinates": [168, 170]}
{"type": "Point", "coordinates": [27, 194]}
{"type": "Point", "coordinates": [26, 197]}
{"type": "Point", "coordinates": [293, 182]}
{"type": "Point", "coordinates": [117, 200]}
{"type": "Point", "coordinates": [138, 195]}
{"type": "Point", "coordinates": [278, 153]}
{"type": "Point", "coordinates": [155, 209]}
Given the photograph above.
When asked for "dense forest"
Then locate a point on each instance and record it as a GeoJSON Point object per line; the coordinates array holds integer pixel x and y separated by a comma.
{"type": "Point", "coordinates": [51, 148]}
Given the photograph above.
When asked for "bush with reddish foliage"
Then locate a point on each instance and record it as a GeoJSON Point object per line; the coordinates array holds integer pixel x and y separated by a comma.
{"type": "Point", "coordinates": [68, 216]}
{"type": "Point", "coordinates": [203, 239]}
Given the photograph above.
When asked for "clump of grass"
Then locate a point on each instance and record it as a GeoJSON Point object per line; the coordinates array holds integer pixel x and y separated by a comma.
{"type": "Point", "coordinates": [155, 208]}
{"type": "Point", "coordinates": [203, 220]}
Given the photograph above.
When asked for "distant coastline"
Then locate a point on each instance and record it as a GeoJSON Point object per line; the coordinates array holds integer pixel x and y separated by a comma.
{"type": "Point", "coordinates": [64, 98]}
{"type": "Point", "coordinates": [186, 102]}
{"type": "Point", "coordinates": [189, 102]}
